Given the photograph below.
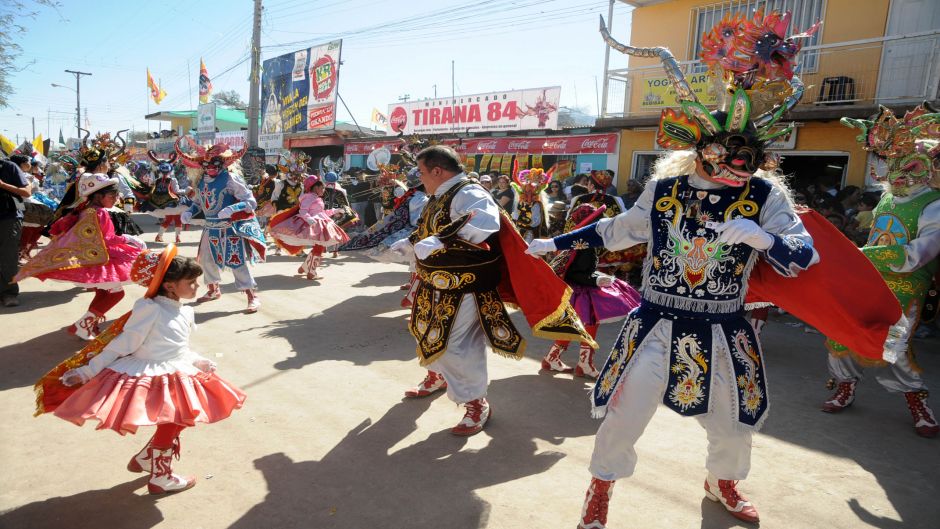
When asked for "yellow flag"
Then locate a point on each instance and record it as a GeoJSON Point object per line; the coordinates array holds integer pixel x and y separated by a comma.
{"type": "Point", "coordinates": [38, 145]}
{"type": "Point", "coordinates": [6, 145]}
{"type": "Point", "coordinates": [156, 92]}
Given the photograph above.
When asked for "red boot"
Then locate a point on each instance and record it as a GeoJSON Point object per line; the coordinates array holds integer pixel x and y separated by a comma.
{"type": "Point", "coordinates": [254, 302]}
{"type": "Point", "coordinates": [432, 383]}
{"type": "Point", "coordinates": [725, 491]}
{"type": "Point", "coordinates": [585, 367]}
{"type": "Point", "coordinates": [552, 361]}
{"type": "Point", "coordinates": [141, 461]}
{"type": "Point", "coordinates": [478, 412]}
{"type": "Point", "coordinates": [594, 512]}
{"type": "Point", "coordinates": [925, 424]}
{"type": "Point", "coordinates": [843, 397]}
{"type": "Point", "coordinates": [213, 292]}
{"type": "Point", "coordinates": [162, 478]}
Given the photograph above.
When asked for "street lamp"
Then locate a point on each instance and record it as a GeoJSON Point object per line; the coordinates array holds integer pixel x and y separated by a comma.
{"type": "Point", "coordinates": [78, 98]}
{"type": "Point", "coordinates": [78, 116]}
{"type": "Point", "coordinates": [34, 123]}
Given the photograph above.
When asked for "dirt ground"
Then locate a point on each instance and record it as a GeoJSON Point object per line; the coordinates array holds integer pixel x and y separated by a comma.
{"type": "Point", "coordinates": [326, 440]}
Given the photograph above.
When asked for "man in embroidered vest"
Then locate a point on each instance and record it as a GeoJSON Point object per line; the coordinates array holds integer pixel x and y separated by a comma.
{"type": "Point", "coordinates": [470, 260]}
{"type": "Point", "coordinates": [708, 214]}
{"type": "Point", "coordinates": [232, 237]}
{"type": "Point", "coordinates": [903, 244]}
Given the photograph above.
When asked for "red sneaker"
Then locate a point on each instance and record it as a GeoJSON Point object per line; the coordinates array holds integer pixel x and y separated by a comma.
{"type": "Point", "coordinates": [432, 383]}
{"type": "Point", "coordinates": [842, 398]}
{"type": "Point", "coordinates": [594, 512]}
{"type": "Point", "coordinates": [478, 412]}
{"type": "Point", "coordinates": [725, 491]}
{"type": "Point", "coordinates": [925, 424]}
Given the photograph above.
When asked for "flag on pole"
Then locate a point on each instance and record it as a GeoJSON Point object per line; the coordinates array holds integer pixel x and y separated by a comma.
{"type": "Point", "coordinates": [379, 118]}
{"type": "Point", "coordinates": [205, 85]}
{"type": "Point", "coordinates": [61, 138]}
{"type": "Point", "coordinates": [156, 92]}
{"type": "Point", "coordinates": [38, 145]}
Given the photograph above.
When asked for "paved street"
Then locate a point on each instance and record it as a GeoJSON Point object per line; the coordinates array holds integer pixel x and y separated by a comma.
{"type": "Point", "coordinates": [326, 440]}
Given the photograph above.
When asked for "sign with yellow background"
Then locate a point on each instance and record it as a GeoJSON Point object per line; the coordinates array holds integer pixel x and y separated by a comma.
{"type": "Point", "coordinates": [659, 91]}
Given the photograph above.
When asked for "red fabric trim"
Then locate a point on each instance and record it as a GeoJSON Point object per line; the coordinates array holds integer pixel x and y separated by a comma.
{"type": "Point", "coordinates": [843, 295]}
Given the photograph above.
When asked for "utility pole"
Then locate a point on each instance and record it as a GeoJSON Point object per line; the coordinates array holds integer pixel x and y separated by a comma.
{"type": "Point", "coordinates": [610, 27]}
{"type": "Point", "coordinates": [254, 91]}
{"type": "Point", "coordinates": [78, 100]}
{"type": "Point", "coordinates": [406, 97]}
{"type": "Point", "coordinates": [435, 91]}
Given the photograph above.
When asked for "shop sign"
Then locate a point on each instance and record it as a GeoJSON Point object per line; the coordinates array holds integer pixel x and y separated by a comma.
{"type": "Point", "coordinates": [531, 109]}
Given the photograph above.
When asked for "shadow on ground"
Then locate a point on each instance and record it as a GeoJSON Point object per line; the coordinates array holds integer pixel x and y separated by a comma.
{"type": "Point", "coordinates": [430, 483]}
{"type": "Point", "coordinates": [118, 506]}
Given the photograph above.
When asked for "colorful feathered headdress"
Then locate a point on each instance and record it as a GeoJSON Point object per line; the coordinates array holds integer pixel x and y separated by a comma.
{"type": "Point", "coordinates": [751, 61]}
{"type": "Point", "coordinates": [91, 154]}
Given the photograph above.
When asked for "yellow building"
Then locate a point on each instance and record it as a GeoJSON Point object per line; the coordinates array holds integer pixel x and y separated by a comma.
{"type": "Point", "coordinates": [867, 52]}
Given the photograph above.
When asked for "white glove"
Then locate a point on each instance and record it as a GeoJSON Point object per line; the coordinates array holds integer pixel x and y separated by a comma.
{"type": "Point", "coordinates": [427, 246]}
{"type": "Point", "coordinates": [604, 280]}
{"type": "Point", "coordinates": [226, 212]}
{"type": "Point", "coordinates": [73, 377]}
{"type": "Point", "coordinates": [541, 246]}
{"type": "Point", "coordinates": [205, 365]}
{"type": "Point", "coordinates": [186, 217]}
{"type": "Point", "coordinates": [743, 231]}
{"type": "Point", "coordinates": [136, 242]}
{"type": "Point", "coordinates": [402, 247]}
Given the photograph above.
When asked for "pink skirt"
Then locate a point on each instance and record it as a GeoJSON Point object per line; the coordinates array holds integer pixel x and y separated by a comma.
{"type": "Point", "coordinates": [596, 305]}
{"type": "Point", "coordinates": [123, 402]}
{"type": "Point", "coordinates": [296, 232]}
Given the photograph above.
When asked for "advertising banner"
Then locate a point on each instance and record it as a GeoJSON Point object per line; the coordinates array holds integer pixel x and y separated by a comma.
{"type": "Point", "coordinates": [298, 90]}
{"type": "Point", "coordinates": [551, 145]}
{"type": "Point", "coordinates": [532, 109]}
{"type": "Point", "coordinates": [659, 91]}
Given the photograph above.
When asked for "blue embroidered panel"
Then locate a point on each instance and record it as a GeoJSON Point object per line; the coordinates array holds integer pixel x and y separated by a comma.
{"type": "Point", "coordinates": [691, 351]}
{"type": "Point", "coordinates": [688, 268]}
{"type": "Point", "coordinates": [580, 239]}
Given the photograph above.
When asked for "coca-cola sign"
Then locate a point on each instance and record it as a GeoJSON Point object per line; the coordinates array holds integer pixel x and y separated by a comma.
{"type": "Point", "coordinates": [487, 145]}
{"type": "Point", "coordinates": [595, 143]}
{"type": "Point", "coordinates": [591, 144]}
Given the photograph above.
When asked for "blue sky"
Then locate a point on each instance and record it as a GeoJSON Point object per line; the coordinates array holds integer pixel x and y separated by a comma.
{"type": "Point", "coordinates": [496, 45]}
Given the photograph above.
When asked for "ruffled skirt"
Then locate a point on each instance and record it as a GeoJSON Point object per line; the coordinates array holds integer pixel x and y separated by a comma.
{"type": "Point", "coordinates": [295, 231]}
{"type": "Point", "coordinates": [123, 402]}
{"type": "Point", "coordinates": [596, 305]}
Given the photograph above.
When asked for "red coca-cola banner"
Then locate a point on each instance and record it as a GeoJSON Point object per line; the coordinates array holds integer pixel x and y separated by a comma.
{"type": "Point", "coordinates": [589, 144]}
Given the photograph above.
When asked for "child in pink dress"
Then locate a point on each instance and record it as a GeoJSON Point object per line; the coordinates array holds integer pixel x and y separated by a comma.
{"type": "Point", "coordinates": [86, 251]}
{"type": "Point", "coordinates": [308, 224]}
{"type": "Point", "coordinates": [142, 372]}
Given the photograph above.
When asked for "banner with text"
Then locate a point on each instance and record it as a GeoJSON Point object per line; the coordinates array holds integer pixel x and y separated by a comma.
{"type": "Point", "coordinates": [549, 145]}
{"type": "Point", "coordinates": [532, 109]}
{"type": "Point", "coordinates": [298, 90]}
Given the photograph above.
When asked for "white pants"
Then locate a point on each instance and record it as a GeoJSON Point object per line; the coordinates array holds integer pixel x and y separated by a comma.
{"type": "Point", "coordinates": [463, 365]}
{"type": "Point", "coordinates": [896, 378]}
{"type": "Point", "coordinates": [641, 391]}
{"type": "Point", "coordinates": [213, 272]}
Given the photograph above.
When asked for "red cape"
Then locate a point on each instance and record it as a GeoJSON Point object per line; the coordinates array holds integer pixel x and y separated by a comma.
{"type": "Point", "coordinates": [842, 295]}
{"type": "Point", "coordinates": [530, 284]}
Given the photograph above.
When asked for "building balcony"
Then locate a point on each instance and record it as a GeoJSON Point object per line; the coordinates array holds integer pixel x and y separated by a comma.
{"type": "Point", "coordinates": [841, 79]}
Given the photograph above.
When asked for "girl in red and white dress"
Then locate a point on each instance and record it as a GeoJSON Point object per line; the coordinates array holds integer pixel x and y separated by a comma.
{"type": "Point", "coordinates": [141, 372]}
{"type": "Point", "coordinates": [308, 224]}
{"type": "Point", "coordinates": [85, 249]}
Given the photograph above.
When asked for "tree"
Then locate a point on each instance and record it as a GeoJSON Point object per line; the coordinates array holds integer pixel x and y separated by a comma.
{"type": "Point", "coordinates": [229, 98]}
{"type": "Point", "coordinates": [12, 12]}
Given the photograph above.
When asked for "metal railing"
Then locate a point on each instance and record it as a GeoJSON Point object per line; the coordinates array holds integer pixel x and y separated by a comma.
{"type": "Point", "coordinates": [886, 70]}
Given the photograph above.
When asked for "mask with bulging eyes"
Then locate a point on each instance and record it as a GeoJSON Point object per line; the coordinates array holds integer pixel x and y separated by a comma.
{"type": "Point", "coordinates": [213, 166]}
{"type": "Point", "coordinates": [732, 158]}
